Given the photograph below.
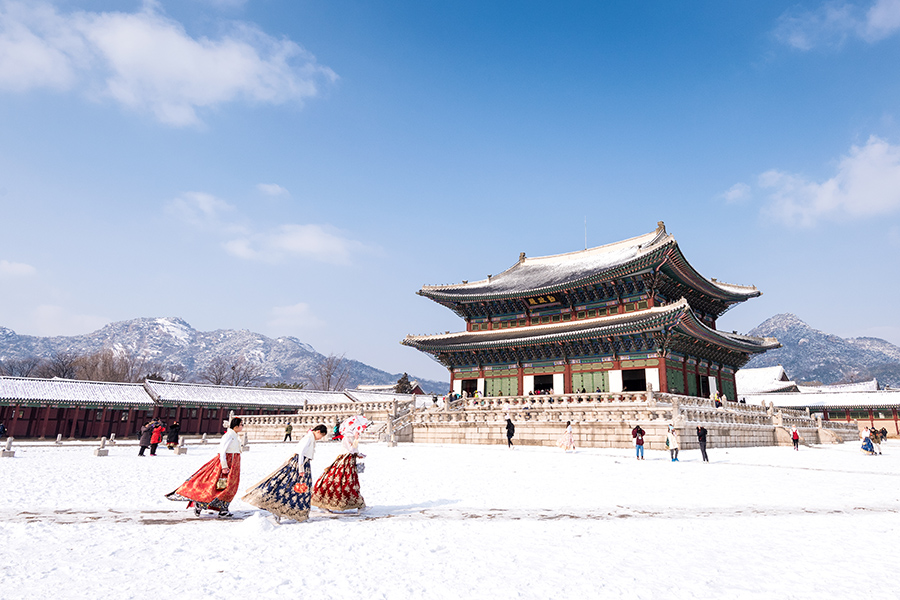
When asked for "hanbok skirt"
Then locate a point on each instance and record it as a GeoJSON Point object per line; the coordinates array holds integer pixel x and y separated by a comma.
{"type": "Point", "coordinates": [285, 492]}
{"type": "Point", "coordinates": [867, 446]}
{"type": "Point", "coordinates": [200, 488]}
{"type": "Point", "coordinates": [338, 487]}
{"type": "Point", "coordinates": [566, 441]}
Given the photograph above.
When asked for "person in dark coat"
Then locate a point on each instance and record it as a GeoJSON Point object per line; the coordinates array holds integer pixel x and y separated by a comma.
{"type": "Point", "coordinates": [172, 435]}
{"type": "Point", "coordinates": [510, 431]}
{"type": "Point", "coordinates": [701, 437]}
{"type": "Point", "coordinates": [146, 434]}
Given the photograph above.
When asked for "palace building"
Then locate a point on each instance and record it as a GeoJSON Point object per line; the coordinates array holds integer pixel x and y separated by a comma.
{"type": "Point", "coordinates": [629, 316]}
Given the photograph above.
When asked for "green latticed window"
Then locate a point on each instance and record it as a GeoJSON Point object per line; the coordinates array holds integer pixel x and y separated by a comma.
{"type": "Point", "coordinates": [675, 381]}
{"type": "Point", "coordinates": [590, 382]}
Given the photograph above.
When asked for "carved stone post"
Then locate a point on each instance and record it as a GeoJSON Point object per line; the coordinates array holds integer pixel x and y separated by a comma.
{"type": "Point", "coordinates": [8, 452]}
{"type": "Point", "coordinates": [101, 451]}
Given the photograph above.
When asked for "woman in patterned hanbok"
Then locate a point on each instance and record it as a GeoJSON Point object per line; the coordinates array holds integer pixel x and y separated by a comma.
{"type": "Point", "coordinates": [338, 487]}
{"type": "Point", "coordinates": [214, 486]}
{"type": "Point", "coordinates": [567, 440]}
{"type": "Point", "coordinates": [866, 441]}
{"type": "Point", "coordinates": [287, 491]}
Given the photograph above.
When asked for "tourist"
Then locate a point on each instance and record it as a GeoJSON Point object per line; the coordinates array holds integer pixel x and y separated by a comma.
{"type": "Point", "coordinates": [172, 435]}
{"type": "Point", "coordinates": [337, 488]}
{"type": "Point", "coordinates": [2, 430]}
{"type": "Point", "coordinates": [875, 436]}
{"type": "Point", "coordinates": [156, 437]}
{"type": "Point", "coordinates": [795, 437]}
{"type": "Point", "coordinates": [672, 443]}
{"type": "Point", "coordinates": [701, 438]}
{"type": "Point", "coordinates": [286, 493]}
{"type": "Point", "coordinates": [866, 441]}
{"type": "Point", "coordinates": [214, 486]}
{"type": "Point", "coordinates": [146, 434]}
{"type": "Point", "coordinates": [287, 432]}
{"type": "Point", "coordinates": [567, 441]}
{"type": "Point", "coordinates": [510, 432]}
{"type": "Point", "coordinates": [638, 434]}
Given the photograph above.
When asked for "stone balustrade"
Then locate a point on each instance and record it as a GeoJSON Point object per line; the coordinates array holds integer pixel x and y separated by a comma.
{"type": "Point", "coordinates": [598, 419]}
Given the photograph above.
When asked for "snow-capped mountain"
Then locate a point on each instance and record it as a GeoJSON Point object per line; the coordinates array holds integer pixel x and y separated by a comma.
{"type": "Point", "coordinates": [174, 345]}
{"type": "Point", "coordinates": [808, 354]}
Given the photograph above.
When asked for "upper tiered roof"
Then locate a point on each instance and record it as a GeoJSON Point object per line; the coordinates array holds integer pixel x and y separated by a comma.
{"type": "Point", "coordinates": [654, 251]}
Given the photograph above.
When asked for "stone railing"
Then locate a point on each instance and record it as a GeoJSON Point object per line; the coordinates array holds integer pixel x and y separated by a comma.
{"type": "Point", "coordinates": [271, 427]}
{"type": "Point", "coordinates": [599, 420]}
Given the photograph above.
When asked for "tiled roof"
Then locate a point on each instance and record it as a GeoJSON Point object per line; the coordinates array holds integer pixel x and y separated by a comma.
{"type": "Point", "coordinates": [882, 398]}
{"type": "Point", "coordinates": [375, 396]}
{"type": "Point", "coordinates": [540, 274]}
{"type": "Point", "coordinates": [68, 391]}
{"type": "Point", "coordinates": [202, 394]}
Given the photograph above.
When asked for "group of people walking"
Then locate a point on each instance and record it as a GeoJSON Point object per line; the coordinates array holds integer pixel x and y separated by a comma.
{"type": "Point", "coordinates": [872, 438]}
{"type": "Point", "coordinates": [673, 443]}
{"type": "Point", "coordinates": [152, 436]}
{"type": "Point", "coordinates": [287, 492]}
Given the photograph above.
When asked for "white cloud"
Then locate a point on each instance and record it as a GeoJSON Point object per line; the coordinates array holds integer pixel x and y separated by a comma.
{"type": "Point", "coordinates": [49, 319]}
{"type": "Point", "coordinates": [272, 189]}
{"type": "Point", "coordinates": [316, 242]}
{"type": "Point", "coordinates": [739, 192]}
{"type": "Point", "coordinates": [321, 243]}
{"type": "Point", "coordinates": [149, 63]}
{"type": "Point", "coordinates": [866, 184]}
{"type": "Point", "coordinates": [832, 23]}
{"type": "Point", "coordinates": [9, 269]}
{"type": "Point", "coordinates": [292, 318]}
{"type": "Point", "coordinates": [205, 211]}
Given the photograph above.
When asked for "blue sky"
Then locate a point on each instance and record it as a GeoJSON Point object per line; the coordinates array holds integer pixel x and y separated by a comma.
{"type": "Point", "coordinates": [302, 168]}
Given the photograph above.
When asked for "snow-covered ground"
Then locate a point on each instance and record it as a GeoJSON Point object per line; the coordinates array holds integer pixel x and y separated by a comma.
{"type": "Point", "coordinates": [462, 522]}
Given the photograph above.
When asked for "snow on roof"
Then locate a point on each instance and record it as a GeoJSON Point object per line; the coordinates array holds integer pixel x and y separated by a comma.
{"type": "Point", "coordinates": [375, 396]}
{"type": "Point", "coordinates": [860, 386]}
{"type": "Point", "coordinates": [195, 393]}
{"type": "Point", "coordinates": [70, 391]}
{"type": "Point", "coordinates": [887, 398]}
{"type": "Point", "coordinates": [763, 380]}
{"type": "Point", "coordinates": [545, 271]}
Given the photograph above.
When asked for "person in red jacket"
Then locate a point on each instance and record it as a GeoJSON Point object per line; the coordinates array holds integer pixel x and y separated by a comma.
{"type": "Point", "coordinates": [156, 437]}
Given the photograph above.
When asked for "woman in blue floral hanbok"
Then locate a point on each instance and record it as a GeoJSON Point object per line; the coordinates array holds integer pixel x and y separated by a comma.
{"type": "Point", "coordinates": [286, 492]}
{"type": "Point", "coordinates": [866, 442]}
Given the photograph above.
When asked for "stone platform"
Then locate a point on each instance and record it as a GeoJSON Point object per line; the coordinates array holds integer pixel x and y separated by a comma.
{"type": "Point", "coordinates": [598, 421]}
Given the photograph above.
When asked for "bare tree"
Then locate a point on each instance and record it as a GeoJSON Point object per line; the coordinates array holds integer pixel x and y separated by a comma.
{"type": "Point", "coordinates": [23, 367]}
{"type": "Point", "coordinates": [330, 374]}
{"type": "Point", "coordinates": [111, 365]}
{"type": "Point", "coordinates": [245, 372]}
{"type": "Point", "coordinates": [63, 364]}
{"type": "Point", "coordinates": [236, 370]}
{"type": "Point", "coordinates": [217, 371]}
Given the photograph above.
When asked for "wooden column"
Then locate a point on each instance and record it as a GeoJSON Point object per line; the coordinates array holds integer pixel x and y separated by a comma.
{"type": "Point", "coordinates": [663, 376]}
{"type": "Point", "coordinates": [46, 422]}
{"type": "Point", "coordinates": [74, 422]}
{"type": "Point", "coordinates": [11, 430]}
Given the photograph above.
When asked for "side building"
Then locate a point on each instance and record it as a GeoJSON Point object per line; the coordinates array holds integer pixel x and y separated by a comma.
{"type": "Point", "coordinates": [629, 316]}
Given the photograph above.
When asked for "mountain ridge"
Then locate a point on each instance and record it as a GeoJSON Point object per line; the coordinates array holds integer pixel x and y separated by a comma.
{"type": "Point", "coordinates": [173, 344]}
{"type": "Point", "coordinates": [811, 355]}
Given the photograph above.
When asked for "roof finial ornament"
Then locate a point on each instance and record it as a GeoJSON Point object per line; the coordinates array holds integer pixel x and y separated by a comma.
{"type": "Point", "coordinates": [660, 227]}
{"type": "Point", "coordinates": [489, 278]}
{"type": "Point", "coordinates": [521, 257]}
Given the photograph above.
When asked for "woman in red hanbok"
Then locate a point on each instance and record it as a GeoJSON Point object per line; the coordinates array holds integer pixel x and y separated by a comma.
{"type": "Point", "coordinates": [338, 487]}
{"type": "Point", "coordinates": [214, 486]}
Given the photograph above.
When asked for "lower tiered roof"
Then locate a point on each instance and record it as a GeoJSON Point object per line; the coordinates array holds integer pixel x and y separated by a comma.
{"type": "Point", "coordinates": [672, 327]}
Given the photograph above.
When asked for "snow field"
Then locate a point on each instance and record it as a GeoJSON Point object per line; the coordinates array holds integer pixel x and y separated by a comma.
{"type": "Point", "coordinates": [461, 521]}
